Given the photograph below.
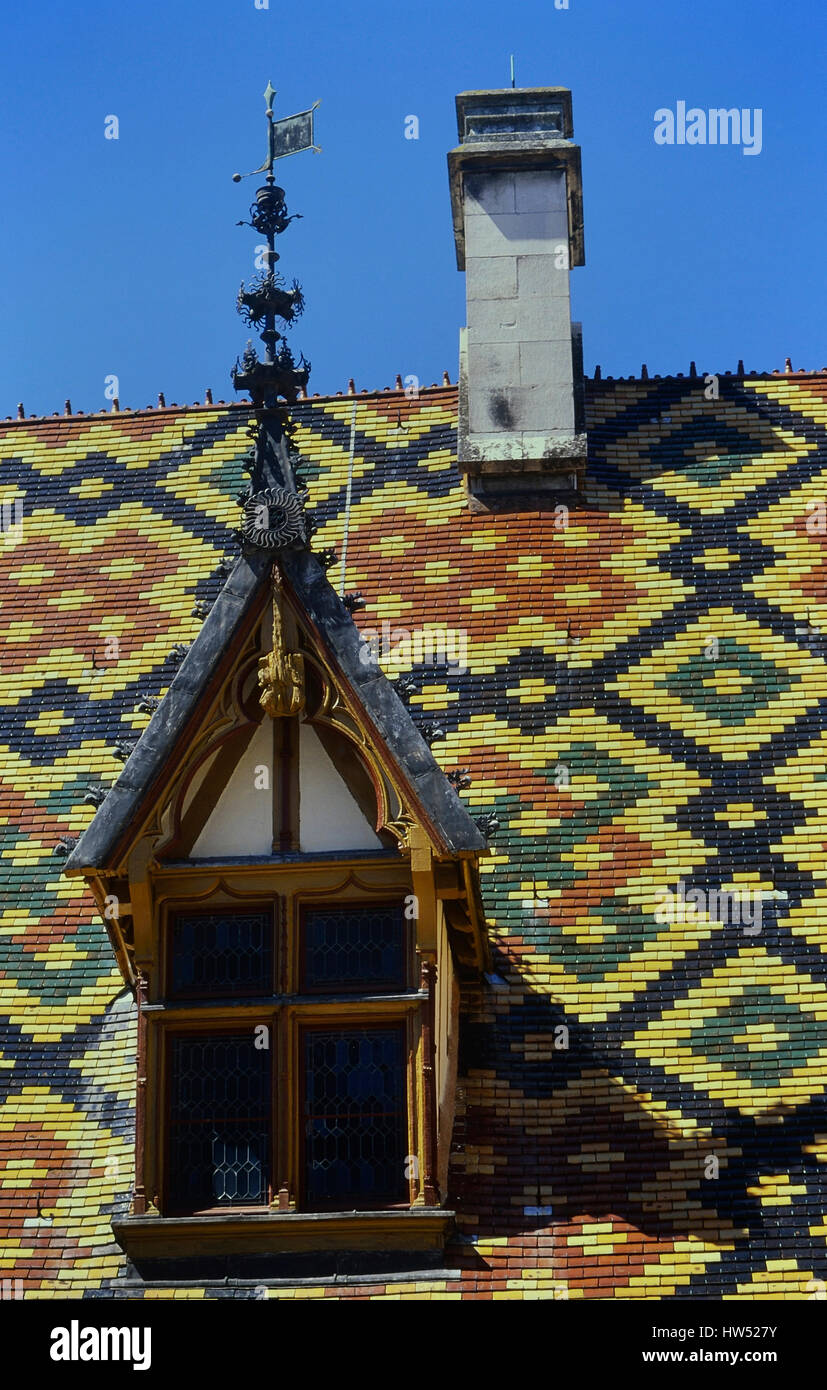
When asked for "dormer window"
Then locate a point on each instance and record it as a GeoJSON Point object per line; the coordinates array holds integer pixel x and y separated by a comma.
{"type": "Point", "coordinates": [297, 902]}
{"type": "Point", "coordinates": [294, 1071]}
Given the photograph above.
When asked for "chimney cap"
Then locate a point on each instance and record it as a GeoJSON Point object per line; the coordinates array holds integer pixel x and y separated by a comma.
{"type": "Point", "coordinates": [514, 114]}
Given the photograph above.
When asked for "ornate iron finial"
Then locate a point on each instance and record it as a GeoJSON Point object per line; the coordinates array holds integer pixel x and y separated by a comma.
{"type": "Point", "coordinates": [267, 298]}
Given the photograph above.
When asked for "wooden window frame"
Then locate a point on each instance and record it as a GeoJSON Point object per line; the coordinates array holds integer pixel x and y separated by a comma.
{"type": "Point", "coordinates": [287, 1012]}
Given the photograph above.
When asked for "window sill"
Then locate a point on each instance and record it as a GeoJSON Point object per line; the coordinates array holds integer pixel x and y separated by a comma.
{"type": "Point", "coordinates": [255, 1234]}
{"type": "Point", "coordinates": [269, 1001]}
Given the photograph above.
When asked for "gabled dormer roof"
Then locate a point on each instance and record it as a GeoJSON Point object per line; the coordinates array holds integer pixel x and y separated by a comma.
{"type": "Point", "coordinates": [368, 692]}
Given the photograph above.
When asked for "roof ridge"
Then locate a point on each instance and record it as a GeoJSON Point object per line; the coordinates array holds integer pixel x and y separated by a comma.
{"type": "Point", "coordinates": [381, 393]}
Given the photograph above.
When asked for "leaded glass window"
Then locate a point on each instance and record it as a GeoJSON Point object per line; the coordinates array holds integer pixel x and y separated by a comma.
{"type": "Point", "coordinates": [342, 1078]}
{"type": "Point", "coordinates": [355, 1120]}
{"type": "Point", "coordinates": [353, 947]}
{"type": "Point", "coordinates": [220, 1116]}
{"type": "Point", "coordinates": [218, 953]}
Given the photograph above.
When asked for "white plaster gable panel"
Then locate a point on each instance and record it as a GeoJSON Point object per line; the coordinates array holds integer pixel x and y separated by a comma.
{"type": "Point", "coordinates": [329, 816]}
{"type": "Point", "coordinates": [242, 820]}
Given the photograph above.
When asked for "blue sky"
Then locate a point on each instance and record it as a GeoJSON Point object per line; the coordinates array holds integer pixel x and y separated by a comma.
{"type": "Point", "coordinates": [121, 257]}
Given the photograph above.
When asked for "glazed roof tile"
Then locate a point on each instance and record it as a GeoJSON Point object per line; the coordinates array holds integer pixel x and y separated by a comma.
{"type": "Point", "coordinates": [641, 701]}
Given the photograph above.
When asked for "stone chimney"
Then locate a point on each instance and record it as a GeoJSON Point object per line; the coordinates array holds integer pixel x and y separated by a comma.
{"type": "Point", "coordinates": [516, 194]}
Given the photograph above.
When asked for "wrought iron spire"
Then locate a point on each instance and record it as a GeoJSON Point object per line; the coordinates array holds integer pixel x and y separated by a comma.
{"type": "Point", "coordinates": [273, 518]}
{"type": "Point", "coordinates": [266, 298]}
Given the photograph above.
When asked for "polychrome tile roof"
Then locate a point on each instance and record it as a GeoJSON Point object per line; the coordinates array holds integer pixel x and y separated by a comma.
{"type": "Point", "coordinates": [642, 703]}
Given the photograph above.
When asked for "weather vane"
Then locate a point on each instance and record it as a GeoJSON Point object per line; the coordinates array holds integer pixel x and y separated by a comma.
{"type": "Point", "coordinates": [288, 136]}
{"type": "Point", "coordinates": [266, 298]}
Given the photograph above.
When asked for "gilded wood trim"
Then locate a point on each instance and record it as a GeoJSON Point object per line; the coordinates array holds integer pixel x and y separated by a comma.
{"type": "Point", "coordinates": [430, 1193]}
{"type": "Point", "coordinates": [281, 671]}
{"type": "Point", "coordinates": [139, 1199]}
{"type": "Point", "coordinates": [141, 898]}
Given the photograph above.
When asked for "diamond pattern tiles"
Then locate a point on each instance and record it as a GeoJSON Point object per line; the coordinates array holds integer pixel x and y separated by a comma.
{"type": "Point", "coordinates": [638, 689]}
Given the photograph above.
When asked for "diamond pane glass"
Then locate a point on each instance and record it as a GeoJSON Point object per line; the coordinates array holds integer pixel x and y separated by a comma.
{"type": "Point", "coordinates": [351, 947]}
{"type": "Point", "coordinates": [222, 953]}
{"type": "Point", "coordinates": [219, 1121]}
{"type": "Point", "coordinates": [355, 1117]}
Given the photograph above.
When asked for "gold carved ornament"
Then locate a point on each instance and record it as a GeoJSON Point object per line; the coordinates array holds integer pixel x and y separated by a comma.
{"type": "Point", "coordinates": [280, 673]}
